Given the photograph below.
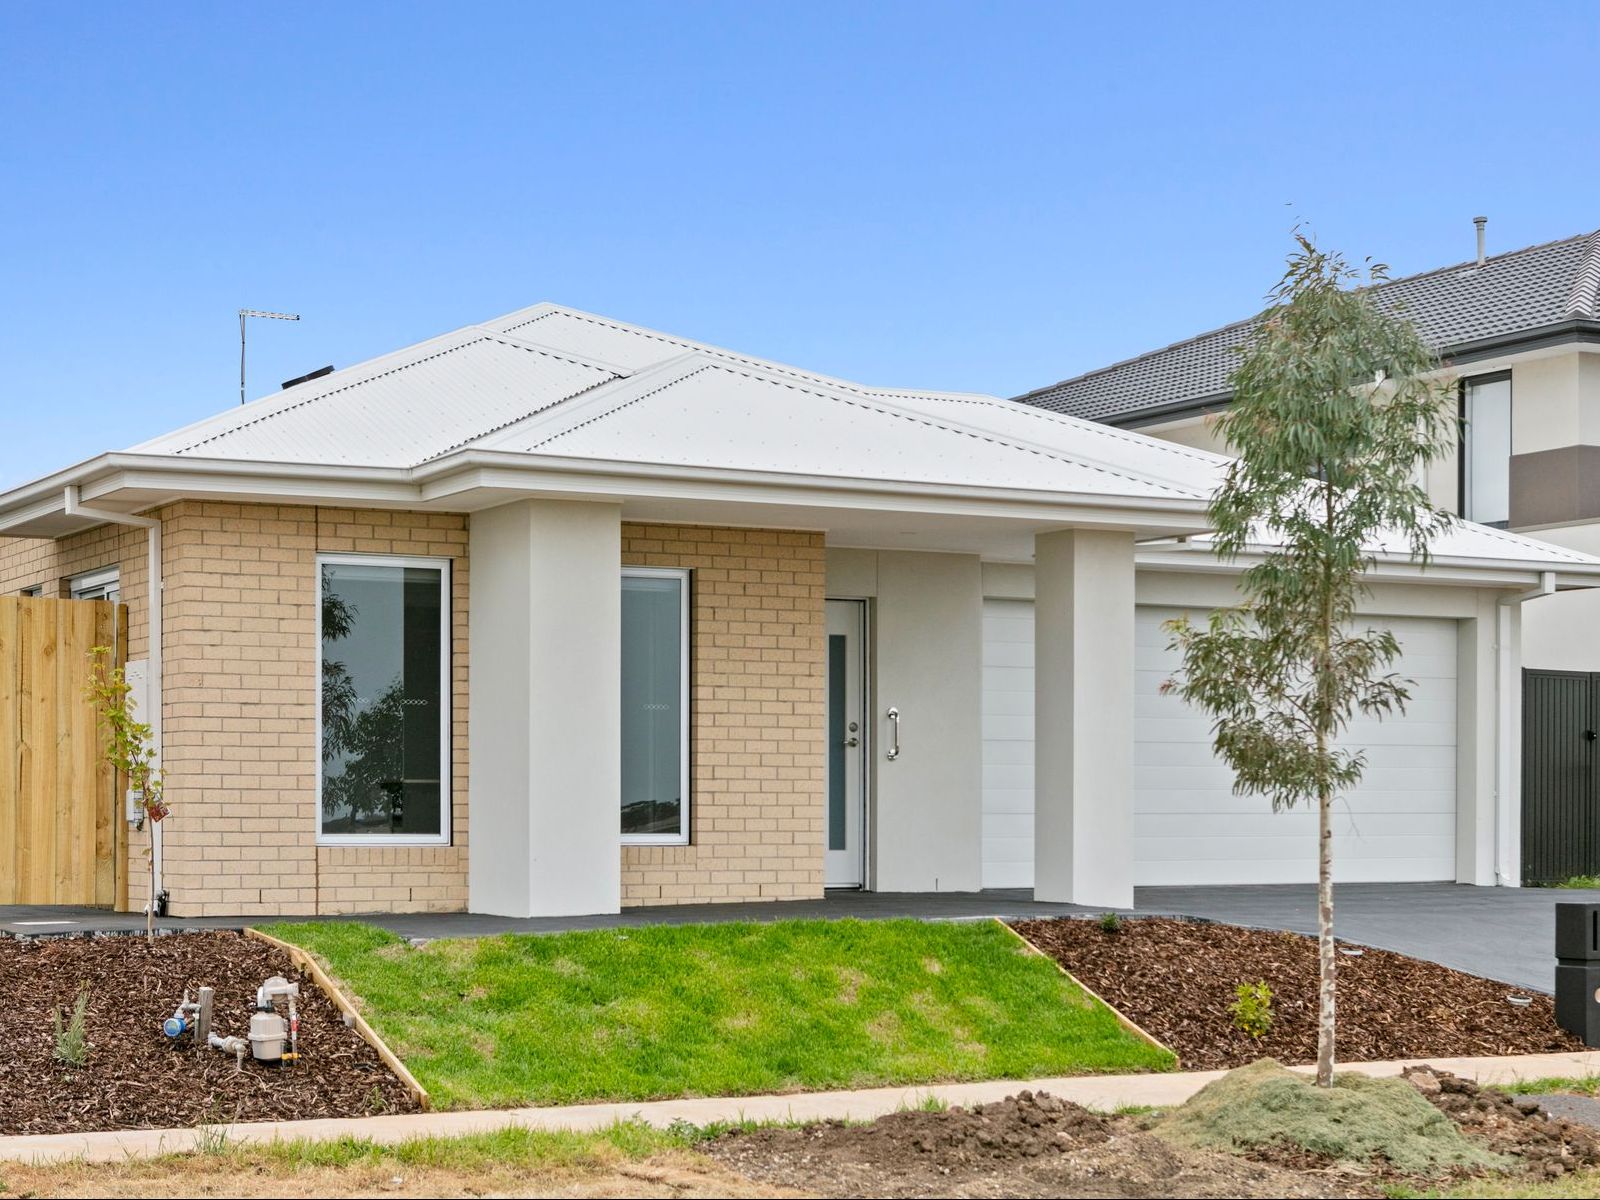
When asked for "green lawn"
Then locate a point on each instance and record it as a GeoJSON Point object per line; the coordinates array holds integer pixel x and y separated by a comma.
{"type": "Point", "coordinates": [635, 1014]}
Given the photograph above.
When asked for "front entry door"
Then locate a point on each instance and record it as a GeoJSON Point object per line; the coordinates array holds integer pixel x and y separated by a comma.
{"type": "Point", "coordinates": [845, 828]}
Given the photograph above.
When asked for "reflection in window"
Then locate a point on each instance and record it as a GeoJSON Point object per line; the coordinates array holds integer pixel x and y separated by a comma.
{"type": "Point", "coordinates": [1486, 450]}
{"type": "Point", "coordinates": [654, 706]}
{"type": "Point", "coordinates": [385, 740]}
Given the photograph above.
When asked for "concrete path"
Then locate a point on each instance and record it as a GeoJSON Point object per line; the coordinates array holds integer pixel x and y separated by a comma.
{"type": "Point", "coordinates": [1501, 933]}
{"type": "Point", "coordinates": [1104, 1092]}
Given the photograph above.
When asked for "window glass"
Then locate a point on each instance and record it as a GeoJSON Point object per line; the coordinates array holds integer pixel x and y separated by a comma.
{"type": "Point", "coordinates": [1486, 458]}
{"type": "Point", "coordinates": [654, 799]}
{"type": "Point", "coordinates": [384, 737]}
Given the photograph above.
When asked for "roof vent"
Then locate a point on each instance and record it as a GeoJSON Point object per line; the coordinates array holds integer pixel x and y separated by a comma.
{"type": "Point", "coordinates": [308, 377]}
{"type": "Point", "coordinates": [1480, 222]}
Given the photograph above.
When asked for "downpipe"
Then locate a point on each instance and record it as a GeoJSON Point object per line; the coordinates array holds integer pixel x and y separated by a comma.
{"type": "Point", "coordinates": [152, 526]}
{"type": "Point", "coordinates": [1508, 690]}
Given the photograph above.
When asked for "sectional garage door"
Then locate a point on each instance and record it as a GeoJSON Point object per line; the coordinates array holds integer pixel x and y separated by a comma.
{"type": "Point", "coordinates": [1189, 827]}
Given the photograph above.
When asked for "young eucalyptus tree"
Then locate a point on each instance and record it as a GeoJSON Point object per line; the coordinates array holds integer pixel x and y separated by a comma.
{"type": "Point", "coordinates": [1336, 407]}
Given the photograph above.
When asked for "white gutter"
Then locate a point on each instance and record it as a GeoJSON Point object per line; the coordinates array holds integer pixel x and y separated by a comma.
{"type": "Point", "coordinates": [1508, 729]}
{"type": "Point", "coordinates": [156, 585]}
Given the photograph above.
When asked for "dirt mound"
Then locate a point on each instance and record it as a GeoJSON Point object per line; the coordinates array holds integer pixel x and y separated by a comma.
{"type": "Point", "coordinates": [134, 1077]}
{"type": "Point", "coordinates": [1031, 1144]}
{"type": "Point", "coordinates": [1509, 1124]}
{"type": "Point", "coordinates": [1360, 1120]}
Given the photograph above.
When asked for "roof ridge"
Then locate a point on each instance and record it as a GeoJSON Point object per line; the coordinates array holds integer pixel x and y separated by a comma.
{"type": "Point", "coordinates": [1378, 286]}
{"type": "Point", "coordinates": [1582, 300]}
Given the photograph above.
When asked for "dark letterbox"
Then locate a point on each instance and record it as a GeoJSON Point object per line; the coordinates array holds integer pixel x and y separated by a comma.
{"type": "Point", "coordinates": [1578, 970]}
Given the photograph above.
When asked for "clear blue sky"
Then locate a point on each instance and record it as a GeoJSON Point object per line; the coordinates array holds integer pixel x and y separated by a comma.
{"type": "Point", "coordinates": [983, 196]}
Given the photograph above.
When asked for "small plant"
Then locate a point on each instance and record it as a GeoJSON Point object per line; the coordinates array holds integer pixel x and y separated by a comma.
{"type": "Point", "coordinates": [72, 1042]}
{"type": "Point", "coordinates": [128, 751]}
{"type": "Point", "coordinates": [1252, 1010]}
{"type": "Point", "coordinates": [1110, 923]}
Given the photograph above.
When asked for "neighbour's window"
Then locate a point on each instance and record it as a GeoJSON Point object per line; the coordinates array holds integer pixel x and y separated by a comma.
{"type": "Point", "coordinates": [95, 585]}
{"type": "Point", "coordinates": [655, 705]}
{"type": "Point", "coordinates": [384, 721]}
{"type": "Point", "coordinates": [1486, 449]}
{"type": "Point", "coordinates": [36, 590]}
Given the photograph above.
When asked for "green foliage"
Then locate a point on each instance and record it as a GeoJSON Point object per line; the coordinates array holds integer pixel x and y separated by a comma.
{"type": "Point", "coordinates": [128, 748]}
{"type": "Point", "coordinates": [1587, 882]}
{"type": "Point", "coordinates": [1110, 923]}
{"type": "Point", "coordinates": [72, 1039]}
{"type": "Point", "coordinates": [1252, 1008]}
{"type": "Point", "coordinates": [726, 1009]}
{"type": "Point", "coordinates": [1358, 1120]}
{"type": "Point", "coordinates": [1334, 414]}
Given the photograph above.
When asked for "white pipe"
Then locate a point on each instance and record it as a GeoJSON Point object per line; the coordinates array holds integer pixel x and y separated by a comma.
{"type": "Point", "coordinates": [155, 586]}
{"type": "Point", "coordinates": [1507, 705]}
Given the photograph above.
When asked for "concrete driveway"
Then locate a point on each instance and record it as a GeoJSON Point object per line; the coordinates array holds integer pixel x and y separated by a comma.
{"type": "Point", "coordinates": [1501, 933]}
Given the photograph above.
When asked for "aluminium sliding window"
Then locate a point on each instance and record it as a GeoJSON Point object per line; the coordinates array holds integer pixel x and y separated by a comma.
{"type": "Point", "coordinates": [655, 706]}
{"type": "Point", "coordinates": [1486, 449]}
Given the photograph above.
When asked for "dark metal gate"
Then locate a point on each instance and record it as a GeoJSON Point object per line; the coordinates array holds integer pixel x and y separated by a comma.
{"type": "Point", "coordinates": [1560, 801]}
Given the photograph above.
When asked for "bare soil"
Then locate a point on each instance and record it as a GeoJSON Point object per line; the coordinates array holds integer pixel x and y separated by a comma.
{"type": "Point", "coordinates": [1027, 1145]}
{"type": "Point", "coordinates": [1178, 979]}
{"type": "Point", "coordinates": [134, 1076]}
{"type": "Point", "coordinates": [1545, 1147]}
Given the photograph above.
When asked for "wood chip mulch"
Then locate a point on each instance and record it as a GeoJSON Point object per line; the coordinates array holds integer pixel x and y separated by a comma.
{"type": "Point", "coordinates": [1178, 979]}
{"type": "Point", "coordinates": [134, 1077]}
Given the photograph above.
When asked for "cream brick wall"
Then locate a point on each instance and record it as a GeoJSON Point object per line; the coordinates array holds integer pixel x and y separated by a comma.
{"type": "Point", "coordinates": [241, 696]}
{"type": "Point", "coordinates": [241, 686]}
{"type": "Point", "coordinates": [758, 639]}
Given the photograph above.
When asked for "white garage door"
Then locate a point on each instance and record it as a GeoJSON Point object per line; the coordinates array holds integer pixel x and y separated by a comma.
{"type": "Point", "coordinates": [1189, 826]}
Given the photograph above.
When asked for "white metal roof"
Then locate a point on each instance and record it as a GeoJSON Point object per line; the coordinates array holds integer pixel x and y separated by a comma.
{"type": "Point", "coordinates": [554, 381]}
{"type": "Point", "coordinates": [569, 403]}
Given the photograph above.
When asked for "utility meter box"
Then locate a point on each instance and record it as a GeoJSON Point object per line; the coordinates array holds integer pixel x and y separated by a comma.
{"type": "Point", "coordinates": [1578, 970]}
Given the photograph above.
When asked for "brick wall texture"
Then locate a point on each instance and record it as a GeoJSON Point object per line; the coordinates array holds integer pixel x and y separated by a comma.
{"type": "Point", "coordinates": [758, 648]}
{"type": "Point", "coordinates": [241, 696]}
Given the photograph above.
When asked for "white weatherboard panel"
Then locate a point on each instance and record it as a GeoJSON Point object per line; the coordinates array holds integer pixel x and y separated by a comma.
{"type": "Point", "coordinates": [1189, 827]}
{"type": "Point", "coordinates": [1008, 743]}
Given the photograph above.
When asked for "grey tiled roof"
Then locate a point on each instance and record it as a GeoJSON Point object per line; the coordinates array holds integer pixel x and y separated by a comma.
{"type": "Point", "coordinates": [1454, 307]}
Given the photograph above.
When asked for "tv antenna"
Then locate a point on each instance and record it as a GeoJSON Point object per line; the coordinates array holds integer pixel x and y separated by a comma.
{"type": "Point", "coordinates": [245, 314]}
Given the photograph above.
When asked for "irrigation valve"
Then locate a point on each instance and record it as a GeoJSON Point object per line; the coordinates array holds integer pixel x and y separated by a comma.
{"type": "Point", "coordinates": [274, 1037]}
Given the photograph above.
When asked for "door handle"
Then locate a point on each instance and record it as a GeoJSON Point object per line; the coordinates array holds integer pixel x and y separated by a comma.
{"type": "Point", "coordinates": [852, 742]}
{"type": "Point", "coordinates": [894, 728]}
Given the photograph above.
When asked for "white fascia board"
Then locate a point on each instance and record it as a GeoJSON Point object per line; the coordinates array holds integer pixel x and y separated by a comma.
{"type": "Point", "coordinates": [155, 479]}
{"type": "Point", "coordinates": [1457, 572]}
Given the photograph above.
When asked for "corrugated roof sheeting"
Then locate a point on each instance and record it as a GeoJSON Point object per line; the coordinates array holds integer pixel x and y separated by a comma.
{"type": "Point", "coordinates": [721, 416]}
{"type": "Point", "coordinates": [1511, 293]}
{"type": "Point", "coordinates": [399, 415]}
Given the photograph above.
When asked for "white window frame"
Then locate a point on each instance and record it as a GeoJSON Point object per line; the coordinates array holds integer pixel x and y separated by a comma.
{"type": "Point", "coordinates": [1466, 482]}
{"type": "Point", "coordinates": [99, 580]}
{"type": "Point", "coordinates": [446, 705]}
{"type": "Point", "coordinates": [685, 823]}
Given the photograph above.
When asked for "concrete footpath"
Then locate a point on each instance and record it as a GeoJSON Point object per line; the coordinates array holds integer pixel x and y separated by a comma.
{"type": "Point", "coordinates": [1104, 1092]}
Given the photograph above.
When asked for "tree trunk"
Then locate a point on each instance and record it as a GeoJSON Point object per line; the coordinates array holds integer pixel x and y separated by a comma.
{"type": "Point", "coordinates": [150, 909]}
{"type": "Point", "coordinates": [1327, 963]}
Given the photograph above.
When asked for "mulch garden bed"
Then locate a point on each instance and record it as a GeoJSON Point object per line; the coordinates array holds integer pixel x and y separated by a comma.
{"type": "Point", "coordinates": [135, 1077]}
{"type": "Point", "coordinates": [1178, 979]}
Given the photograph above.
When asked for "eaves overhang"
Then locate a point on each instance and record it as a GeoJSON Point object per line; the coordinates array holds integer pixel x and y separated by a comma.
{"type": "Point", "coordinates": [472, 479]}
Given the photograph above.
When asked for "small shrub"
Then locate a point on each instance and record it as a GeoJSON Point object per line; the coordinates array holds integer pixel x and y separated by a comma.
{"type": "Point", "coordinates": [72, 1043]}
{"type": "Point", "coordinates": [1252, 1010]}
{"type": "Point", "coordinates": [1110, 923]}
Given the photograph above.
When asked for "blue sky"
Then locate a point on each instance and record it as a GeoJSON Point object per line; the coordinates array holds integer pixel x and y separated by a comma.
{"type": "Point", "coordinates": [981, 196]}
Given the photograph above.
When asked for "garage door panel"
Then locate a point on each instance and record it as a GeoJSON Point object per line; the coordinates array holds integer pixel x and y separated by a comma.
{"type": "Point", "coordinates": [1189, 826]}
